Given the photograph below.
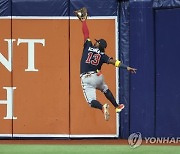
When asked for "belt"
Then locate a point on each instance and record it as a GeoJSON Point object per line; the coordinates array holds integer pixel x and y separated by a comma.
{"type": "Point", "coordinates": [87, 73]}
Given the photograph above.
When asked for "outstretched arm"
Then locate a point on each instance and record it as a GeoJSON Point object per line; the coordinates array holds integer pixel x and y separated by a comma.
{"type": "Point", "coordinates": [118, 63]}
{"type": "Point", "coordinates": [82, 15]}
{"type": "Point", "coordinates": [85, 30]}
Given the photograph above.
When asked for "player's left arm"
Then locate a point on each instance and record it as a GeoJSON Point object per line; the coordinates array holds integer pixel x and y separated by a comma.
{"type": "Point", "coordinates": [82, 15]}
{"type": "Point", "coordinates": [118, 63]}
{"type": "Point", "coordinates": [85, 30]}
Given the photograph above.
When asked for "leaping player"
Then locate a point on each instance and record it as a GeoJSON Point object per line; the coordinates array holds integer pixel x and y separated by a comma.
{"type": "Point", "coordinates": [93, 57]}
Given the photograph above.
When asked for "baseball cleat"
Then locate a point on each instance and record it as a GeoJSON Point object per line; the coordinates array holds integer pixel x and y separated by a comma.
{"type": "Point", "coordinates": [119, 108]}
{"type": "Point", "coordinates": [106, 112]}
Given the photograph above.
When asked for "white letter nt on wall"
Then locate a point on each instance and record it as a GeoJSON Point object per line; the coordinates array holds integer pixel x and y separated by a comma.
{"type": "Point", "coordinates": [31, 57]}
{"type": "Point", "coordinates": [8, 62]}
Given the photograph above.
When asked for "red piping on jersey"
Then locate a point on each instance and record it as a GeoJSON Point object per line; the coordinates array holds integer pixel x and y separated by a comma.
{"type": "Point", "coordinates": [85, 30]}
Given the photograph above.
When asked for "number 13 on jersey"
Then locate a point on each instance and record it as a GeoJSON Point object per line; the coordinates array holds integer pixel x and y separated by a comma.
{"type": "Point", "coordinates": [93, 58]}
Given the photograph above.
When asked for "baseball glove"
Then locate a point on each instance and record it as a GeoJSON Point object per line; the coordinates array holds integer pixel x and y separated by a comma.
{"type": "Point", "coordinates": [81, 14]}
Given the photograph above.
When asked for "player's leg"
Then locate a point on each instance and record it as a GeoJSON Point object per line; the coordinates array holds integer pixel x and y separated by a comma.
{"type": "Point", "coordinates": [111, 98]}
{"type": "Point", "coordinates": [90, 94]}
{"type": "Point", "coordinates": [104, 108]}
{"type": "Point", "coordinates": [104, 88]}
{"type": "Point", "coordinates": [108, 94]}
{"type": "Point", "coordinates": [89, 91]}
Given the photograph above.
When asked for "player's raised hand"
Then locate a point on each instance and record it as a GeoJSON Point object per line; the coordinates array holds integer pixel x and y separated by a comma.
{"type": "Point", "coordinates": [81, 14]}
{"type": "Point", "coordinates": [132, 70]}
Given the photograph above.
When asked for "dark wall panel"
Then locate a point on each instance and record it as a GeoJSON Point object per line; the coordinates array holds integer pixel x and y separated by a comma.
{"type": "Point", "coordinates": [167, 72]}
{"type": "Point", "coordinates": [142, 94]}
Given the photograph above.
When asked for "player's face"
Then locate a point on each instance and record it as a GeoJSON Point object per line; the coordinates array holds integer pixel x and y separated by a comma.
{"type": "Point", "coordinates": [96, 45]}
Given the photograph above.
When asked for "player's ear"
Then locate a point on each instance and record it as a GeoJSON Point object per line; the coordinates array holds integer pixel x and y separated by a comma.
{"type": "Point", "coordinates": [101, 49]}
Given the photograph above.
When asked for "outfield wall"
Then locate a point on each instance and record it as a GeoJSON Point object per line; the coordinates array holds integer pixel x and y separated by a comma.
{"type": "Point", "coordinates": [41, 46]}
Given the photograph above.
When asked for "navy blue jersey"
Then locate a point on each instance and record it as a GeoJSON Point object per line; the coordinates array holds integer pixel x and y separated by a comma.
{"type": "Point", "coordinates": [92, 58]}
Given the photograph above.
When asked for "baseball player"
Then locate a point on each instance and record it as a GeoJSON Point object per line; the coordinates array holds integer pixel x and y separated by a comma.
{"type": "Point", "coordinates": [93, 57]}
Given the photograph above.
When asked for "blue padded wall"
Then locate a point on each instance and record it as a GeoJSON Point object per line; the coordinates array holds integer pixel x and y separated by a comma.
{"type": "Point", "coordinates": [142, 86]}
{"type": "Point", "coordinates": [167, 50]}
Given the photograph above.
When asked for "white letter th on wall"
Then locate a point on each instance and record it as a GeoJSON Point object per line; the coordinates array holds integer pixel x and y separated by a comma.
{"type": "Point", "coordinates": [9, 102]}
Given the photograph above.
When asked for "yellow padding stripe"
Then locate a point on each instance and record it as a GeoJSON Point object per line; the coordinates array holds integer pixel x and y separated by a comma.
{"type": "Point", "coordinates": [117, 63]}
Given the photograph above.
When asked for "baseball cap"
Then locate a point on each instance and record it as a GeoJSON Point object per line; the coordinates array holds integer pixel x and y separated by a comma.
{"type": "Point", "coordinates": [102, 43]}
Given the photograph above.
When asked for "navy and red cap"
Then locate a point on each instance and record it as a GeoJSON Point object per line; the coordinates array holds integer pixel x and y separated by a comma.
{"type": "Point", "coordinates": [102, 43]}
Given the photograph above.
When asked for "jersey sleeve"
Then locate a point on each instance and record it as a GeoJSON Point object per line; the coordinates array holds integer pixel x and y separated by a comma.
{"type": "Point", "coordinates": [106, 58]}
{"type": "Point", "coordinates": [87, 43]}
{"type": "Point", "coordinates": [85, 30]}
